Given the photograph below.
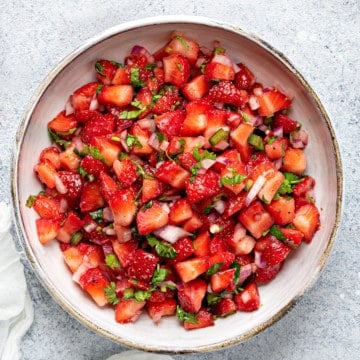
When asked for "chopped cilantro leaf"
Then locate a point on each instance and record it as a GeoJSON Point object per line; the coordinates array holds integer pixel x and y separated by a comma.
{"type": "Point", "coordinates": [110, 294]}
{"type": "Point", "coordinates": [162, 249]}
{"type": "Point", "coordinates": [100, 68]}
{"type": "Point", "coordinates": [159, 275]}
{"type": "Point", "coordinates": [76, 238]}
{"type": "Point", "coordinates": [135, 77]}
{"type": "Point", "coordinates": [30, 201]}
{"type": "Point", "coordinates": [185, 316]}
{"type": "Point", "coordinates": [97, 215]}
{"type": "Point", "coordinates": [112, 261]}
{"type": "Point", "coordinates": [141, 295]}
{"type": "Point", "coordinates": [214, 268]}
{"type": "Point", "coordinates": [132, 141]}
{"type": "Point", "coordinates": [275, 231]}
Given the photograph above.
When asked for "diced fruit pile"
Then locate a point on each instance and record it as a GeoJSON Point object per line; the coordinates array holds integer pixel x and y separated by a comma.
{"type": "Point", "coordinates": [175, 184]}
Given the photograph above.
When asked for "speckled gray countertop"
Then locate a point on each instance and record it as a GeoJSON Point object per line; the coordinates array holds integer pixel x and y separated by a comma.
{"type": "Point", "coordinates": [321, 39]}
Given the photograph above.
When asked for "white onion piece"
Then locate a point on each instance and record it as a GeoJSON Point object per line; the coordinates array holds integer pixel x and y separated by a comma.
{"type": "Point", "coordinates": [245, 245]}
{"type": "Point", "coordinates": [171, 233]}
{"type": "Point", "coordinates": [69, 109]}
{"type": "Point", "coordinates": [236, 68]}
{"type": "Point", "coordinates": [94, 104]}
{"type": "Point", "coordinates": [79, 145]}
{"type": "Point", "coordinates": [222, 145]}
{"type": "Point", "coordinates": [108, 230]}
{"type": "Point", "coordinates": [258, 91]}
{"type": "Point", "coordinates": [259, 262]}
{"type": "Point", "coordinates": [255, 188]}
{"type": "Point", "coordinates": [154, 142]}
{"type": "Point", "coordinates": [147, 124]}
{"type": "Point", "coordinates": [60, 187]}
{"type": "Point", "coordinates": [219, 206]}
{"type": "Point", "coordinates": [239, 232]}
{"type": "Point", "coordinates": [123, 233]}
{"type": "Point", "coordinates": [63, 205]}
{"type": "Point", "coordinates": [253, 102]}
{"type": "Point", "coordinates": [165, 207]}
{"type": "Point", "coordinates": [222, 160]}
{"type": "Point", "coordinates": [84, 266]}
{"type": "Point", "coordinates": [89, 227]}
{"type": "Point", "coordinates": [245, 272]}
{"type": "Point", "coordinates": [108, 215]}
{"type": "Point", "coordinates": [164, 145]}
{"type": "Point", "coordinates": [222, 59]}
{"type": "Point", "coordinates": [299, 139]}
{"type": "Point", "coordinates": [207, 163]}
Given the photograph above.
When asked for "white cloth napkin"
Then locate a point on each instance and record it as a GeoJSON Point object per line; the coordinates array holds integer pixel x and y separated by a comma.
{"type": "Point", "coordinates": [16, 309]}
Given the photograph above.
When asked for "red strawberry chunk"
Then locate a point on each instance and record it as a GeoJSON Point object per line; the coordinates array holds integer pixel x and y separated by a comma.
{"type": "Point", "coordinates": [151, 189]}
{"type": "Point", "coordinates": [203, 319]}
{"type": "Point", "coordinates": [122, 205]}
{"type": "Point", "coordinates": [73, 183]}
{"type": "Point", "coordinates": [191, 295]}
{"type": "Point", "coordinates": [142, 266]}
{"type": "Point", "coordinates": [218, 71]}
{"type": "Point", "coordinates": [190, 269]}
{"type": "Point", "coordinates": [288, 124]}
{"type": "Point", "coordinates": [168, 101]}
{"type": "Point", "coordinates": [47, 207]}
{"type": "Point", "coordinates": [170, 122]}
{"type": "Point", "coordinates": [51, 154]}
{"type": "Point", "coordinates": [201, 244]}
{"type": "Point", "coordinates": [105, 71]}
{"type": "Point", "coordinates": [273, 251]}
{"type": "Point", "coordinates": [184, 248]}
{"type": "Point", "coordinates": [173, 174]}
{"type": "Point", "coordinates": [226, 92]}
{"type": "Point", "coordinates": [305, 186]}
{"type": "Point", "coordinates": [94, 281]}
{"type": "Point", "coordinates": [63, 123]}
{"type": "Point", "coordinates": [272, 101]}
{"type": "Point", "coordinates": [282, 210]}
{"type": "Point", "coordinates": [128, 310]}
{"type": "Point", "coordinates": [176, 70]}
{"type": "Point", "coordinates": [307, 220]}
{"type": "Point", "coordinates": [81, 98]}
{"type": "Point", "coordinates": [224, 307]}
{"type": "Point", "coordinates": [222, 280]}
{"type": "Point", "coordinates": [151, 217]}
{"type": "Point", "coordinates": [47, 229]}
{"type": "Point", "coordinates": [92, 166]}
{"type": "Point", "coordinates": [119, 95]}
{"type": "Point", "coordinates": [196, 88]}
{"type": "Point", "coordinates": [248, 299]}
{"type": "Point", "coordinates": [268, 273]}
{"type": "Point", "coordinates": [157, 310]}
{"type": "Point", "coordinates": [180, 211]}
{"type": "Point", "coordinates": [98, 126]}
{"type": "Point", "coordinates": [91, 198]}
{"type": "Point", "coordinates": [244, 78]}
{"type": "Point", "coordinates": [124, 251]}
{"type": "Point", "coordinates": [203, 186]}
{"type": "Point", "coordinates": [125, 171]}
{"type": "Point", "coordinates": [71, 225]}
{"type": "Point", "coordinates": [184, 46]}
{"type": "Point", "coordinates": [293, 237]}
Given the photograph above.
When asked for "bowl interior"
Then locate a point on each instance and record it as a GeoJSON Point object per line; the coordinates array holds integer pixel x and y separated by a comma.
{"type": "Point", "coordinates": [323, 163]}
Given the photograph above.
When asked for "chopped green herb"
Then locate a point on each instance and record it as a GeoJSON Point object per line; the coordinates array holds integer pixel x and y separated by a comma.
{"type": "Point", "coordinates": [135, 77]}
{"type": "Point", "coordinates": [98, 89]}
{"type": "Point", "coordinates": [95, 153]}
{"type": "Point", "coordinates": [132, 141]}
{"type": "Point", "coordinates": [76, 238]}
{"type": "Point", "coordinates": [30, 201]}
{"type": "Point", "coordinates": [219, 50]}
{"type": "Point", "coordinates": [237, 267]}
{"type": "Point", "coordinates": [100, 68]}
{"type": "Point", "coordinates": [110, 293]}
{"type": "Point", "coordinates": [184, 43]}
{"type": "Point", "coordinates": [218, 136]}
{"type": "Point", "coordinates": [162, 249]}
{"type": "Point", "coordinates": [214, 298]}
{"type": "Point", "coordinates": [57, 139]}
{"type": "Point", "coordinates": [185, 316]}
{"type": "Point", "coordinates": [256, 141]}
{"type": "Point", "coordinates": [141, 295]}
{"type": "Point", "coordinates": [235, 179]}
{"type": "Point", "coordinates": [112, 261]}
{"type": "Point", "coordinates": [214, 268]}
{"type": "Point", "coordinates": [159, 275]}
{"type": "Point", "coordinates": [97, 215]}
{"type": "Point", "coordinates": [148, 205]}
{"type": "Point", "coordinates": [128, 293]}
{"type": "Point", "coordinates": [275, 231]}
{"type": "Point", "coordinates": [287, 186]}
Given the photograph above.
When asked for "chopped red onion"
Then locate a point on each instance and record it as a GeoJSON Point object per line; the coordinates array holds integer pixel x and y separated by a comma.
{"type": "Point", "coordinates": [299, 139]}
{"type": "Point", "coordinates": [63, 205]}
{"type": "Point", "coordinates": [207, 163]}
{"type": "Point", "coordinates": [164, 145]}
{"type": "Point", "coordinates": [108, 230]}
{"type": "Point", "coordinates": [123, 233]}
{"type": "Point", "coordinates": [165, 207]}
{"type": "Point", "coordinates": [278, 163]}
{"type": "Point", "coordinates": [140, 50]}
{"type": "Point", "coordinates": [245, 272]}
{"type": "Point", "coordinates": [69, 109]}
{"type": "Point", "coordinates": [60, 187]}
{"type": "Point", "coordinates": [147, 124]}
{"type": "Point", "coordinates": [154, 141]}
{"type": "Point", "coordinates": [123, 125]}
{"type": "Point", "coordinates": [108, 215]}
{"type": "Point", "coordinates": [89, 227]}
{"type": "Point", "coordinates": [239, 232]}
{"type": "Point", "coordinates": [219, 206]}
{"type": "Point", "coordinates": [79, 145]}
{"type": "Point", "coordinates": [278, 131]}
{"type": "Point", "coordinates": [222, 145]}
{"type": "Point", "coordinates": [222, 59]}
{"type": "Point", "coordinates": [94, 104]}
{"type": "Point", "coordinates": [107, 248]}
{"type": "Point", "coordinates": [259, 261]}
{"type": "Point", "coordinates": [253, 102]}
{"type": "Point", "coordinates": [84, 266]}
{"type": "Point", "coordinates": [254, 190]}
{"type": "Point", "coordinates": [171, 233]}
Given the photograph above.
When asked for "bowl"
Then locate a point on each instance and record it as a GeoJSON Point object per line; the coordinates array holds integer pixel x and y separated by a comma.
{"type": "Point", "coordinates": [271, 68]}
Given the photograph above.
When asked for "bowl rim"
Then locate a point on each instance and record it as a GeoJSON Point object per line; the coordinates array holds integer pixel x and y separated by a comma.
{"type": "Point", "coordinates": [25, 120]}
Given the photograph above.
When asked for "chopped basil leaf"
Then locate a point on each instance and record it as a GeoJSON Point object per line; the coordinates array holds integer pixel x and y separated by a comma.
{"type": "Point", "coordinates": [276, 231]}
{"type": "Point", "coordinates": [95, 153]}
{"type": "Point", "coordinates": [135, 77]}
{"type": "Point", "coordinates": [98, 89]}
{"type": "Point", "coordinates": [235, 179]}
{"type": "Point", "coordinates": [159, 275]}
{"type": "Point", "coordinates": [237, 267]}
{"type": "Point", "coordinates": [57, 139]}
{"type": "Point", "coordinates": [214, 268]}
{"type": "Point", "coordinates": [100, 68]}
{"type": "Point", "coordinates": [162, 249]}
{"type": "Point", "coordinates": [97, 215]}
{"type": "Point", "coordinates": [141, 295]}
{"type": "Point", "coordinates": [214, 298]}
{"type": "Point", "coordinates": [76, 238]}
{"type": "Point", "coordinates": [132, 141]}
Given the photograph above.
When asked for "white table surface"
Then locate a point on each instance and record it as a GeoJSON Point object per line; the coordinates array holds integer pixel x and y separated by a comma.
{"type": "Point", "coordinates": [321, 39]}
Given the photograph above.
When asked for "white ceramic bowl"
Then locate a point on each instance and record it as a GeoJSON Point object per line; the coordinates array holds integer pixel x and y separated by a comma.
{"type": "Point", "coordinates": [271, 68]}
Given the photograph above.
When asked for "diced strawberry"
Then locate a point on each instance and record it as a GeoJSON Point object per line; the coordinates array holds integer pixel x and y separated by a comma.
{"type": "Point", "coordinates": [109, 150]}
{"type": "Point", "coordinates": [203, 319]}
{"type": "Point", "coordinates": [260, 165]}
{"type": "Point", "coordinates": [121, 77]}
{"type": "Point", "coordinates": [101, 124]}
{"type": "Point", "coordinates": [276, 149]}
{"type": "Point", "coordinates": [215, 71]}
{"type": "Point", "coordinates": [119, 95]}
{"type": "Point", "coordinates": [157, 310]}
{"type": "Point", "coordinates": [194, 223]}
{"type": "Point", "coordinates": [63, 123]}
{"type": "Point", "coordinates": [51, 155]}
{"type": "Point", "coordinates": [46, 173]}
{"type": "Point", "coordinates": [282, 210]}
{"type": "Point", "coordinates": [222, 280]}
{"type": "Point", "coordinates": [47, 229]}
{"type": "Point", "coordinates": [256, 219]}
{"type": "Point", "coordinates": [293, 237]}
{"type": "Point", "coordinates": [244, 78]}
{"type": "Point", "coordinates": [203, 186]}
{"type": "Point", "coordinates": [125, 171]}
{"type": "Point", "coordinates": [224, 307]}
{"type": "Point", "coordinates": [271, 186]}
{"type": "Point", "coordinates": [71, 225]}
{"type": "Point", "coordinates": [201, 244]}
{"type": "Point", "coordinates": [170, 122]}
{"type": "Point", "coordinates": [272, 250]}
{"type": "Point", "coordinates": [233, 177]}
{"type": "Point", "coordinates": [46, 206]}
{"type": "Point", "coordinates": [151, 217]}
{"type": "Point", "coordinates": [123, 207]}
{"type": "Point", "coordinates": [288, 124]}
{"type": "Point", "coordinates": [248, 299]}
{"type": "Point", "coordinates": [234, 204]}
{"type": "Point", "coordinates": [151, 189]}
{"type": "Point", "coordinates": [91, 198]}
{"type": "Point", "coordinates": [196, 120]}
{"type": "Point", "coordinates": [191, 295]}
{"type": "Point", "coordinates": [180, 211]}
{"type": "Point", "coordinates": [108, 185]}
{"type": "Point", "coordinates": [226, 92]}
{"type": "Point", "coordinates": [143, 265]}
{"type": "Point", "coordinates": [266, 274]}
{"type": "Point", "coordinates": [124, 251]}
{"type": "Point", "coordinates": [196, 88]}
{"type": "Point", "coordinates": [294, 161]}
{"type": "Point", "coordinates": [73, 258]}
{"type": "Point", "coordinates": [190, 269]}
{"type": "Point", "coordinates": [176, 70]}
{"type": "Point", "coordinates": [184, 46]}
{"type": "Point", "coordinates": [73, 183]}
{"type": "Point", "coordinates": [303, 187]}
{"type": "Point", "coordinates": [128, 310]}
{"type": "Point", "coordinates": [105, 71]}
{"type": "Point", "coordinates": [69, 160]}
{"type": "Point", "coordinates": [272, 101]}
{"type": "Point", "coordinates": [142, 136]}
{"type": "Point", "coordinates": [94, 281]}
{"type": "Point", "coordinates": [92, 166]}
{"type": "Point", "coordinates": [168, 101]}
{"type": "Point", "coordinates": [223, 257]}
{"type": "Point", "coordinates": [81, 97]}
{"type": "Point", "coordinates": [239, 138]}
{"type": "Point", "coordinates": [184, 248]}
{"type": "Point", "coordinates": [307, 220]}
{"type": "Point", "coordinates": [173, 174]}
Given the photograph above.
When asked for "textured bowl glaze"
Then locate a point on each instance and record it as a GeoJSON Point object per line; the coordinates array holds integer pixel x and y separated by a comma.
{"type": "Point", "coordinates": [271, 68]}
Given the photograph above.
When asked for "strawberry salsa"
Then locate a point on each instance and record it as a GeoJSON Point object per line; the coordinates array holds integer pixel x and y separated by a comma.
{"type": "Point", "coordinates": [175, 184]}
